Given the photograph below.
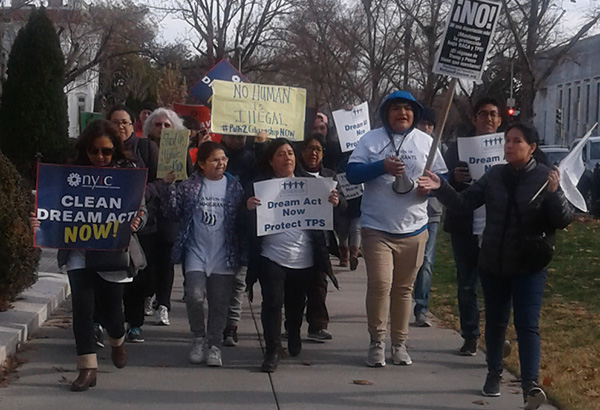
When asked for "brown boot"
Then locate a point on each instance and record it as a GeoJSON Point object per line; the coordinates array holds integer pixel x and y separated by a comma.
{"type": "Point", "coordinates": [87, 365]}
{"type": "Point", "coordinates": [118, 354]}
{"type": "Point", "coordinates": [353, 257]}
{"type": "Point", "coordinates": [343, 256]}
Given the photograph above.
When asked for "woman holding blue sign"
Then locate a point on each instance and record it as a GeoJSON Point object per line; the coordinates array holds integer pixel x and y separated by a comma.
{"type": "Point", "coordinates": [98, 146]}
{"type": "Point", "coordinates": [284, 263]}
{"type": "Point", "coordinates": [208, 204]}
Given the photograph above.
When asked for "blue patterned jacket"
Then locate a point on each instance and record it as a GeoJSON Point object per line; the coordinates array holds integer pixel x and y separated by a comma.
{"type": "Point", "coordinates": [178, 202]}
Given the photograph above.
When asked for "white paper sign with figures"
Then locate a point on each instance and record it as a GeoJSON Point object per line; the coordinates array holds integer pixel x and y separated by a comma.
{"type": "Point", "coordinates": [481, 152]}
{"type": "Point", "coordinates": [351, 125]}
{"type": "Point", "coordinates": [349, 190]}
{"type": "Point", "coordinates": [294, 203]}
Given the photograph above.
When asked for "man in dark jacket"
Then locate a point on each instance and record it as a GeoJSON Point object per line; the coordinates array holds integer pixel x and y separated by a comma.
{"type": "Point", "coordinates": [466, 226]}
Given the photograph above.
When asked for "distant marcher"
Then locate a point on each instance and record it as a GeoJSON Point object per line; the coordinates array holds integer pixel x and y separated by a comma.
{"type": "Point", "coordinates": [145, 154]}
{"type": "Point", "coordinates": [317, 315]}
{"type": "Point", "coordinates": [394, 225]}
{"type": "Point", "coordinates": [512, 268]}
{"type": "Point", "coordinates": [283, 263]}
{"type": "Point", "coordinates": [159, 260]}
{"type": "Point", "coordinates": [434, 214]}
{"type": "Point", "coordinates": [242, 164]}
{"type": "Point", "coordinates": [145, 111]}
{"type": "Point", "coordinates": [466, 226]}
{"type": "Point", "coordinates": [99, 146]}
{"type": "Point", "coordinates": [208, 246]}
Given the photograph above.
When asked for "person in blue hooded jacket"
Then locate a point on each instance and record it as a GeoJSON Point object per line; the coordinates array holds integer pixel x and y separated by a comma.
{"type": "Point", "coordinates": [394, 225]}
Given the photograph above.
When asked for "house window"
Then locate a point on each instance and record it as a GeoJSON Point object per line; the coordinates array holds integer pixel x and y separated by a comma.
{"type": "Point", "coordinates": [81, 103]}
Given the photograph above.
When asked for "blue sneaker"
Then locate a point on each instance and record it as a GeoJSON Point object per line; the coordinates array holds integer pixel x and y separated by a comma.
{"type": "Point", "coordinates": [134, 335]}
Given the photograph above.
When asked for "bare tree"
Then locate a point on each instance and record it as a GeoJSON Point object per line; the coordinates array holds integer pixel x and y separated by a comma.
{"type": "Point", "coordinates": [233, 29]}
{"type": "Point", "coordinates": [534, 25]}
{"type": "Point", "coordinates": [102, 31]}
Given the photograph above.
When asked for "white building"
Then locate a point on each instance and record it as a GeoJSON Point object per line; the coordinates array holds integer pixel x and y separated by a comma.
{"type": "Point", "coordinates": [573, 88]}
{"type": "Point", "coordinates": [81, 92]}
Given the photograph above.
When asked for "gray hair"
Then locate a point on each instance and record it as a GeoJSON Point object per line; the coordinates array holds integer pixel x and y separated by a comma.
{"type": "Point", "coordinates": [176, 122]}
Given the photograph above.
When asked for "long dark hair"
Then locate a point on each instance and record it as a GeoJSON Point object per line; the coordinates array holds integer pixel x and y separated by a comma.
{"type": "Point", "coordinates": [531, 135]}
{"type": "Point", "coordinates": [97, 129]}
{"type": "Point", "coordinates": [205, 150]}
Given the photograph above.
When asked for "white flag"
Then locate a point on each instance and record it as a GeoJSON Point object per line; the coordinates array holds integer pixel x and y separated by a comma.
{"type": "Point", "coordinates": [571, 168]}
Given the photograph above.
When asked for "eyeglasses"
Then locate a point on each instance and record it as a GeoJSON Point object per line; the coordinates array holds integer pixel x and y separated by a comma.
{"type": "Point", "coordinates": [123, 123]}
{"type": "Point", "coordinates": [484, 114]}
{"type": "Point", "coordinates": [318, 150]}
{"type": "Point", "coordinates": [106, 152]}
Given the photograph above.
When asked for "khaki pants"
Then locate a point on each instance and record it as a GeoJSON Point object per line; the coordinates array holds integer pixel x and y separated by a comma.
{"type": "Point", "coordinates": [392, 266]}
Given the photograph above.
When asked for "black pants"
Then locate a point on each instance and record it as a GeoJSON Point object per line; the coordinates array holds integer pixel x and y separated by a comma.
{"type": "Point", "coordinates": [160, 272]}
{"type": "Point", "coordinates": [86, 287]}
{"type": "Point", "coordinates": [279, 286]}
{"type": "Point", "coordinates": [316, 295]}
{"type": "Point", "coordinates": [142, 285]}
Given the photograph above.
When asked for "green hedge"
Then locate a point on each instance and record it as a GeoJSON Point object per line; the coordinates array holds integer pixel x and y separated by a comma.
{"type": "Point", "coordinates": [18, 259]}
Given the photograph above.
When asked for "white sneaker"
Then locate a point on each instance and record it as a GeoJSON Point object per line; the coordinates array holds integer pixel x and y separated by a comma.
{"type": "Point", "coordinates": [148, 309]}
{"type": "Point", "coordinates": [376, 356]}
{"type": "Point", "coordinates": [162, 316]}
{"type": "Point", "coordinates": [214, 357]}
{"type": "Point", "coordinates": [400, 355]}
{"type": "Point", "coordinates": [197, 354]}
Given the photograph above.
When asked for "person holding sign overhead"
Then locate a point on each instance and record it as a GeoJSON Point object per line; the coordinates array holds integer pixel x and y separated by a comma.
{"type": "Point", "coordinates": [98, 146]}
{"type": "Point", "coordinates": [283, 262]}
{"type": "Point", "coordinates": [394, 225]}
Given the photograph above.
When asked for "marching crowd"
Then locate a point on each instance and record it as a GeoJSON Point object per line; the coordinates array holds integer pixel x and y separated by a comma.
{"type": "Point", "coordinates": [208, 224]}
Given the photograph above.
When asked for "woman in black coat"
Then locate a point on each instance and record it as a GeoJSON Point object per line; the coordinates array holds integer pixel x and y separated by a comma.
{"type": "Point", "coordinates": [524, 206]}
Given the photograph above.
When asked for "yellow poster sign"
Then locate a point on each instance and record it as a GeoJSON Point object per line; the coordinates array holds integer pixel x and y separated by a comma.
{"type": "Point", "coordinates": [173, 153]}
{"type": "Point", "coordinates": [246, 109]}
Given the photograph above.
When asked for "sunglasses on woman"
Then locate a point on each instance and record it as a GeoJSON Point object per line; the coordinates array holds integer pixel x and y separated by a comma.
{"type": "Point", "coordinates": [106, 152]}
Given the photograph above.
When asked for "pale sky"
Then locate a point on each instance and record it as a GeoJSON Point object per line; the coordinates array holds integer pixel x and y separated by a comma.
{"type": "Point", "coordinates": [174, 30]}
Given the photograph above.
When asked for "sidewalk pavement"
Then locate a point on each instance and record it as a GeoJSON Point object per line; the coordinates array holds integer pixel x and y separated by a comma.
{"type": "Point", "coordinates": [330, 375]}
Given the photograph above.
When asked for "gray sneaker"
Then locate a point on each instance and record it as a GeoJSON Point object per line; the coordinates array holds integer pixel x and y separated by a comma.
{"type": "Point", "coordinates": [400, 355]}
{"type": "Point", "coordinates": [421, 320]}
{"type": "Point", "coordinates": [376, 356]}
{"type": "Point", "coordinates": [197, 354]}
{"type": "Point", "coordinates": [534, 397]}
{"type": "Point", "coordinates": [320, 336]}
{"type": "Point", "coordinates": [214, 357]}
{"type": "Point", "coordinates": [162, 316]}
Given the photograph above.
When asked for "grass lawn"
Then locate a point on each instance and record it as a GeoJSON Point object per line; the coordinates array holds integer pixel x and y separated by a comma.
{"type": "Point", "coordinates": [570, 319]}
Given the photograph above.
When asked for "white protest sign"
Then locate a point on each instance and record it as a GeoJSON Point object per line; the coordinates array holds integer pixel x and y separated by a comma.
{"type": "Point", "coordinates": [349, 190]}
{"type": "Point", "coordinates": [481, 152]}
{"type": "Point", "coordinates": [467, 38]}
{"type": "Point", "coordinates": [294, 203]}
{"type": "Point", "coordinates": [351, 125]}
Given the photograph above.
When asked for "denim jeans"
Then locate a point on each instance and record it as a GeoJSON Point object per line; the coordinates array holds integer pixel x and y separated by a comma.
{"type": "Point", "coordinates": [217, 290]}
{"type": "Point", "coordinates": [525, 292]}
{"type": "Point", "coordinates": [234, 315]}
{"type": "Point", "coordinates": [466, 255]}
{"type": "Point", "coordinates": [425, 274]}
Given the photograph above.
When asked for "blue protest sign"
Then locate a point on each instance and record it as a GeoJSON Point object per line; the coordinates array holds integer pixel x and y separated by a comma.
{"type": "Point", "coordinates": [87, 207]}
{"type": "Point", "coordinates": [222, 71]}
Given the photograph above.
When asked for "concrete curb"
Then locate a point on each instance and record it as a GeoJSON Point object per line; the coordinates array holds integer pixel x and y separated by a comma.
{"type": "Point", "coordinates": [31, 310]}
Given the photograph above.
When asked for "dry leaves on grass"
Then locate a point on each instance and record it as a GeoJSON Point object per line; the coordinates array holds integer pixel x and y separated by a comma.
{"type": "Point", "coordinates": [362, 382]}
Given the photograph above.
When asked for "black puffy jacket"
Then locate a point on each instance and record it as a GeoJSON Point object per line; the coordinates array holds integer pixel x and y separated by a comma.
{"type": "Point", "coordinates": [501, 249]}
